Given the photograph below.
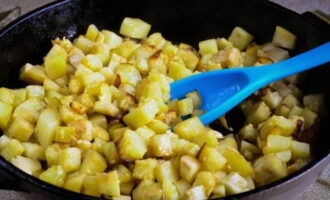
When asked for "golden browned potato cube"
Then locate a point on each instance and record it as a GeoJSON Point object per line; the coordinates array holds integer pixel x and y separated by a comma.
{"type": "Point", "coordinates": [92, 163]}
{"type": "Point", "coordinates": [160, 145]}
{"type": "Point", "coordinates": [134, 28]}
{"type": "Point", "coordinates": [189, 56]}
{"type": "Point", "coordinates": [90, 186]}
{"type": "Point", "coordinates": [127, 188]}
{"type": "Point", "coordinates": [206, 179]}
{"type": "Point", "coordinates": [284, 38]}
{"type": "Point", "coordinates": [141, 115]}
{"type": "Point", "coordinates": [33, 151]}
{"type": "Point", "coordinates": [111, 153]}
{"type": "Point", "coordinates": [169, 190]}
{"type": "Point", "coordinates": [64, 134]}
{"type": "Point", "coordinates": [6, 110]}
{"type": "Point", "coordinates": [93, 62]}
{"type": "Point", "coordinates": [212, 160]}
{"type": "Point", "coordinates": [20, 96]}
{"type": "Point", "coordinates": [70, 159]}
{"type": "Point", "coordinates": [92, 32]}
{"type": "Point", "coordinates": [32, 74]}
{"type": "Point", "coordinates": [74, 183]}
{"type": "Point", "coordinates": [83, 44]}
{"type": "Point", "coordinates": [177, 70]}
{"type": "Point", "coordinates": [208, 47]}
{"type": "Point", "coordinates": [108, 183]}
{"type": "Point", "coordinates": [300, 149]}
{"type": "Point", "coordinates": [56, 66]}
{"type": "Point", "coordinates": [145, 169]}
{"type": "Point", "coordinates": [269, 168]}
{"type": "Point", "coordinates": [52, 154]}
{"type": "Point", "coordinates": [277, 143]}
{"type": "Point", "coordinates": [20, 129]}
{"type": "Point", "coordinates": [185, 106]}
{"type": "Point", "coordinates": [54, 175]}
{"type": "Point", "coordinates": [124, 174]}
{"type": "Point", "coordinates": [7, 96]}
{"type": "Point", "coordinates": [195, 193]}
{"type": "Point", "coordinates": [145, 133]}
{"type": "Point", "coordinates": [223, 43]}
{"type": "Point", "coordinates": [189, 167]}
{"type": "Point", "coordinates": [28, 165]}
{"type": "Point", "coordinates": [12, 149]}
{"type": "Point", "coordinates": [46, 126]}
{"type": "Point", "coordinates": [131, 146]}
{"type": "Point", "coordinates": [190, 128]}
{"type": "Point", "coordinates": [35, 91]}
{"type": "Point", "coordinates": [240, 38]}
{"type": "Point", "coordinates": [148, 190]}
{"type": "Point", "coordinates": [83, 129]}
{"type": "Point", "coordinates": [261, 113]}
{"type": "Point", "coordinates": [165, 170]}
{"type": "Point", "coordinates": [237, 162]}
{"type": "Point", "coordinates": [235, 184]}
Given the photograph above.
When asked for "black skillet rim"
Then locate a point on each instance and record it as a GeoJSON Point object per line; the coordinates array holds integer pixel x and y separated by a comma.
{"type": "Point", "coordinates": [8, 167]}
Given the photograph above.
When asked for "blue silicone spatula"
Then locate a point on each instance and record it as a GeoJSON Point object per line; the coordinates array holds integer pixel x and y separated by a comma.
{"type": "Point", "coordinates": [221, 90]}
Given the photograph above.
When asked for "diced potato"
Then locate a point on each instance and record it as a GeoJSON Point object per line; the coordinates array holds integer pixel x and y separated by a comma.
{"type": "Point", "coordinates": [20, 129]}
{"type": "Point", "coordinates": [33, 151]}
{"type": "Point", "coordinates": [74, 183]}
{"type": "Point", "coordinates": [272, 99]}
{"type": "Point", "coordinates": [70, 159]}
{"type": "Point", "coordinates": [235, 184]}
{"type": "Point", "coordinates": [212, 160]}
{"type": "Point", "coordinates": [52, 154]}
{"type": "Point", "coordinates": [249, 133]}
{"type": "Point", "coordinates": [170, 191]}
{"type": "Point", "coordinates": [12, 149]}
{"type": "Point", "coordinates": [165, 170]}
{"type": "Point", "coordinates": [184, 147]}
{"type": "Point", "coordinates": [284, 38]}
{"type": "Point", "coordinates": [35, 91]}
{"type": "Point", "coordinates": [145, 169]}
{"type": "Point", "coordinates": [141, 115]}
{"type": "Point", "coordinates": [93, 62]}
{"type": "Point", "coordinates": [148, 190]}
{"type": "Point", "coordinates": [209, 137]}
{"type": "Point", "coordinates": [127, 188]}
{"type": "Point", "coordinates": [92, 163]}
{"type": "Point", "coordinates": [111, 39]}
{"type": "Point", "coordinates": [177, 70]}
{"type": "Point", "coordinates": [182, 187]}
{"type": "Point", "coordinates": [20, 96]}
{"type": "Point", "coordinates": [269, 168]}
{"type": "Point", "coordinates": [284, 156]}
{"type": "Point", "coordinates": [56, 66]}
{"type": "Point", "coordinates": [237, 162]}
{"type": "Point", "coordinates": [54, 175]}
{"type": "Point", "coordinates": [7, 96]}
{"type": "Point", "coordinates": [90, 186]}
{"type": "Point", "coordinates": [219, 191]}
{"type": "Point", "coordinates": [277, 143]}
{"type": "Point", "coordinates": [314, 102]}
{"type": "Point", "coordinates": [300, 149]}
{"type": "Point", "coordinates": [160, 145]}
{"type": "Point", "coordinates": [108, 183]}
{"type": "Point", "coordinates": [223, 43]}
{"type": "Point", "coordinates": [32, 74]}
{"type": "Point", "coordinates": [124, 174]}
{"type": "Point", "coordinates": [27, 165]}
{"type": "Point", "coordinates": [6, 110]}
{"type": "Point", "coordinates": [240, 38]}
{"type": "Point", "coordinates": [310, 118]}
{"type": "Point", "coordinates": [145, 133]}
{"type": "Point", "coordinates": [46, 126]}
{"type": "Point", "coordinates": [195, 193]}
{"type": "Point", "coordinates": [64, 134]}
{"type": "Point", "coordinates": [83, 44]}
{"type": "Point", "coordinates": [185, 106]}
{"type": "Point", "coordinates": [190, 128]}
{"type": "Point", "coordinates": [92, 32]}
{"type": "Point", "coordinates": [206, 179]}
{"type": "Point", "coordinates": [208, 47]}
{"type": "Point", "coordinates": [3, 141]}
{"type": "Point", "coordinates": [125, 49]}
{"type": "Point", "coordinates": [134, 28]}
{"type": "Point", "coordinates": [131, 146]}
{"type": "Point", "coordinates": [260, 114]}
{"type": "Point", "coordinates": [189, 167]}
